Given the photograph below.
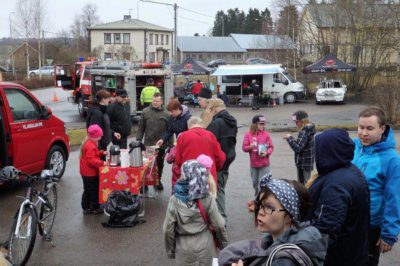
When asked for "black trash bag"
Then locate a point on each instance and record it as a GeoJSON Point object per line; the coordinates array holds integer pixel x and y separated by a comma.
{"type": "Point", "coordinates": [123, 208]}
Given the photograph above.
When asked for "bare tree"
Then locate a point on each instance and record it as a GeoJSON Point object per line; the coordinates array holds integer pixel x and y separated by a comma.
{"type": "Point", "coordinates": [76, 32]}
{"type": "Point", "coordinates": [24, 26]}
{"type": "Point", "coordinates": [40, 22]}
{"type": "Point", "coordinates": [64, 35]}
{"type": "Point", "coordinates": [364, 33]}
{"type": "Point", "coordinates": [88, 19]}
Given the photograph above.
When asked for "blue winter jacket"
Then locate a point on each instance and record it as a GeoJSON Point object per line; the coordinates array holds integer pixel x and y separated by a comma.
{"type": "Point", "coordinates": [380, 164]}
{"type": "Point", "coordinates": [340, 200]}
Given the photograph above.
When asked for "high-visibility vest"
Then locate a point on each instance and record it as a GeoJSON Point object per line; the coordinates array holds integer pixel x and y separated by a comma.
{"type": "Point", "coordinates": [146, 96]}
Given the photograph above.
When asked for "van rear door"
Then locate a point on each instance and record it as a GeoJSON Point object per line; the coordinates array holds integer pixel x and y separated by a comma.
{"type": "Point", "coordinates": [29, 133]}
{"type": "Point", "coordinates": [63, 77]}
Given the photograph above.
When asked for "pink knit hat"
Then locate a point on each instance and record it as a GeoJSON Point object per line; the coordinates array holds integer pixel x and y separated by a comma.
{"type": "Point", "coordinates": [205, 161]}
{"type": "Point", "coordinates": [94, 131]}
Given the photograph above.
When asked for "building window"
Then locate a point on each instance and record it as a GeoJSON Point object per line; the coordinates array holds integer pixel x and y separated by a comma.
{"type": "Point", "coordinates": [200, 57]}
{"type": "Point", "coordinates": [187, 56]}
{"type": "Point", "coordinates": [107, 56]}
{"type": "Point", "coordinates": [166, 39]}
{"type": "Point", "coordinates": [162, 39]}
{"type": "Point", "coordinates": [156, 39]}
{"type": "Point", "coordinates": [127, 38]}
{"type": "Point", "coordinates": [152, 57]}
{"type": "Point", "coordinates": [117, 38]}
{"type": "Point", "coordinates": [107, 38]}
{"type": "Point", "coordinates": [151, 39]}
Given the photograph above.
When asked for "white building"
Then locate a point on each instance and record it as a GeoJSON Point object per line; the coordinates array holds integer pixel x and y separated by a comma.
{"type": "Point", "coordinates": [131, 39]}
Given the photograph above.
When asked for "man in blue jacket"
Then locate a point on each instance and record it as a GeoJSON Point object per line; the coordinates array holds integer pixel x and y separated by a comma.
{"type": "Point", "coordinates": [340, 200]}
{"type": "Point", "coordinates": [376, 157]}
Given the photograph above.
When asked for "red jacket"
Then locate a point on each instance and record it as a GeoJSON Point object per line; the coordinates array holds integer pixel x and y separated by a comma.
{"type": "Point", "coordinates": [90, 159]}
{"type": "Point", "coordinates": [197, 88]}
{"type": "Point", "coordinates": [197, 141]}
{"type": "Point", "coordinates": [262, 137]}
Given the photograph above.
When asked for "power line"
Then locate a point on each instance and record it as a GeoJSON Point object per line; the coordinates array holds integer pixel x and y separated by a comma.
{"type": "Point", "coordinates": [195, 12]}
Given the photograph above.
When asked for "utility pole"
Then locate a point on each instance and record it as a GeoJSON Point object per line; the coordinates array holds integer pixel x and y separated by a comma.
{"type": "Point", "coordinates": [175, 6]}
{"type": "Point", "coordinates": [223, 33]}
{"type": "Point", "coordinates": [12, 54]}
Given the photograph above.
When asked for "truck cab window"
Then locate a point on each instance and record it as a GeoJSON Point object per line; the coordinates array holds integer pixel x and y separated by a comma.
{"type": "Point", "coordinates": [23, 108]}
{"type": "Point", "coordinates": [279, 78]}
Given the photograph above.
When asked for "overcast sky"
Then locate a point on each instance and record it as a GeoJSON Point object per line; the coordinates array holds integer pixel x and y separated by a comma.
{"type": "Point", "coordinates": [60, 13]}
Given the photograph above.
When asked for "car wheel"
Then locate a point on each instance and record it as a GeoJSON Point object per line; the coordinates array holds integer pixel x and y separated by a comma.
{"type": "Point", "coordinates": [81, 107]}
{"type": "Point", "coordinates": [32, 74]}
{"type": "Point", "coordinates": [290, 97]}
{"type": "Point", "coordinates": [317, 102]}
{"type": "Point", "coordinates": [56, 161]}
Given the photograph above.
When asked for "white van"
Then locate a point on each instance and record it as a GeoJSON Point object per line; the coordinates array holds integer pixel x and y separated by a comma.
{"type": "Point", "coordinates": [235, 80]}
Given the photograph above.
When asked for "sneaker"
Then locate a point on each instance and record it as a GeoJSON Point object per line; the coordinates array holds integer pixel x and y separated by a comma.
{"type": "Point", "coordinates": [160, 186]}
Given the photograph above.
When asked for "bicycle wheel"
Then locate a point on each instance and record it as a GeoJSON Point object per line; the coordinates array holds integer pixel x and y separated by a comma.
{"type": "Point", "coordinates": [48, 210]}
{"type": "Point", "coordinates": [21, 245]}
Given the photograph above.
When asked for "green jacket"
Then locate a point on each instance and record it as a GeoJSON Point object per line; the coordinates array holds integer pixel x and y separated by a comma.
{"type": "Point", "coordinates": [187, 235]}
{"type": "Point", "coordinates": [153, 123]}
{"type": "Point", "coordinates": [146, 96]}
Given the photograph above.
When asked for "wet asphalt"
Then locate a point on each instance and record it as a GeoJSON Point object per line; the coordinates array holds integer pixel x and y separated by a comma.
{"type": "Point", "coordinates": [82, 240]}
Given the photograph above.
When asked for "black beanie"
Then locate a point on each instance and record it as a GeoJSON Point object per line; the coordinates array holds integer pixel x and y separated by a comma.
{"type": "Point", "coordinates": [205, 93]}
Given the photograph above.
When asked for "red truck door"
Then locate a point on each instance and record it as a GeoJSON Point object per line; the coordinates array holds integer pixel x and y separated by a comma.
{"type": "Point", "coordinates": [29, 133]}
{"type": "Point", "coordinates": [63, 77]}
{"type": "Point", "coordinates": [3, 141]}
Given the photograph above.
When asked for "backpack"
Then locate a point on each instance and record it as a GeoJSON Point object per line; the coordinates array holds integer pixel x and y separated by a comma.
{"type": "Point", "coordinates": [288, 251]}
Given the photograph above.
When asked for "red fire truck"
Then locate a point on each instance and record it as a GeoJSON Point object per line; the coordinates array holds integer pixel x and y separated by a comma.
{"type": "Point", "coordinates": [88, 77]}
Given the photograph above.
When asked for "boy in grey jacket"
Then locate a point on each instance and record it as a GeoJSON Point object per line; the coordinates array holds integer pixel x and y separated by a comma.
{"type": "Point", "coordinates": [186, 235]}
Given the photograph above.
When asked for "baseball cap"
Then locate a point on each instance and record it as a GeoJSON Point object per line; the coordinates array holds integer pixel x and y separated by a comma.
{"type": "Point", "coordinates": [259, 119]}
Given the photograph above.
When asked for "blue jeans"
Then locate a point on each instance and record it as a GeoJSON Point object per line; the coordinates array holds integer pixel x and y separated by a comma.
{"type": "Point", "coordinates": [256, 174]}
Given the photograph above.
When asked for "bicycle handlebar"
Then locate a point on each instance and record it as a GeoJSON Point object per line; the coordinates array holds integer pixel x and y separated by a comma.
{"type": "Point", "coordinates": [9, 173]}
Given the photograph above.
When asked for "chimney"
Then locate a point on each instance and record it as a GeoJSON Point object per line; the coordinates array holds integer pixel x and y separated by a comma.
{"type": "Point", "coordinates": [126, 17]}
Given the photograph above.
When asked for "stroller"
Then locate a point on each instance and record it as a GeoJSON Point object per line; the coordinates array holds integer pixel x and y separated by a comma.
{"type": "Point", "coordinates": [123, 208]}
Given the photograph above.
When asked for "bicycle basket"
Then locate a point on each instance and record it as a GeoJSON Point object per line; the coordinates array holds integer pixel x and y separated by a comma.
{"type": "Point", "coordinates": [123, 208]}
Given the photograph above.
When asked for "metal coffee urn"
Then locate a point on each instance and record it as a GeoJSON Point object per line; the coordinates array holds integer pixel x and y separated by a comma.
{"type": "Point", "coordinates": [114, 155]}
{"type": "Point", "coordinates": [135, 153]}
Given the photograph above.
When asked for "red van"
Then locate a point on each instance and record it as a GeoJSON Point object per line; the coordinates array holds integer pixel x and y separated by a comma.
{"type": "Point", "coordinates": [31, 137]}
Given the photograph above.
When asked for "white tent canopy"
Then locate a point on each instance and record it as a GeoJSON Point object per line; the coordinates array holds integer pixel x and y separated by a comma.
{"type": "Point", "coordinates": [234, 70]}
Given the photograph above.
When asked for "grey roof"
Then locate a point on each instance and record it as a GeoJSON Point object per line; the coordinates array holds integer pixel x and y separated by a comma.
{"type": "Point", "coordinates": [129, 24]}
{"type": "Point", "coordinates": [259, 41]}
{"type": "Point", "coordinates": [330, 15]}
{"type": "Point", "coordinates": [208, 44]}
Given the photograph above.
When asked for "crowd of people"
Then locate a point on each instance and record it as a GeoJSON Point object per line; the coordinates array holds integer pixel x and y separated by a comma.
{"type": "Point", "coordinates": [346, 213]}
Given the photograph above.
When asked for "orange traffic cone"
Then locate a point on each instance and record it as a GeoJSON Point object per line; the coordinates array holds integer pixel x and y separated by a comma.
{"type": "Point", "coordinates": [55, 98]}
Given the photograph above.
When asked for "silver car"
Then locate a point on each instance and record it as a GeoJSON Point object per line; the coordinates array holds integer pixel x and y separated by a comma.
{"type": "Point", "coordinates": [44, 70]}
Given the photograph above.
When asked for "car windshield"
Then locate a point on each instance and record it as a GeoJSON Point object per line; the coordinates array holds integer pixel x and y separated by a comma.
{"type": "Point", "coordinates": [290, 77]}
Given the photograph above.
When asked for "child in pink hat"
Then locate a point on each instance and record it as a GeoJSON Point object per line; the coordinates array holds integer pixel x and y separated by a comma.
{"type": "Point", "coordinates": [90, 161]}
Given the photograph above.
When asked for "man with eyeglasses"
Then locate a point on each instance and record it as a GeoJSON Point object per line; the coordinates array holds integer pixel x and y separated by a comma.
{"type": "Point", "coordinates": [340, 198]}
{"type": "Point", "coordinates": [119, 120]}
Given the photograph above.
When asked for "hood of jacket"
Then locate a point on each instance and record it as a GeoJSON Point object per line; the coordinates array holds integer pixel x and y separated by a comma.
{"type": "Point", "coordinates": [185, 111]}
{"type": "Point", "coordinates": [307, 237]}
{"type": "Point", "coordinates": [333, 149]}
{"type": "Point", "coordinates": [227, 117]}
{"type": "Point", "coordinates": [190, 220]}
{"type": "Point", "coordinates": [388, 142]}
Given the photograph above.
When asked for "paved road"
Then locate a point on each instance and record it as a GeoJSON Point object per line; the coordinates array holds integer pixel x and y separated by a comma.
{"type": "Point", "coordinates": [81, 240]}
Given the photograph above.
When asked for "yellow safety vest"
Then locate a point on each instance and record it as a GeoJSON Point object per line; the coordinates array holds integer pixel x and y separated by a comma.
{"type": "Point", "coordinates": [146, 96]}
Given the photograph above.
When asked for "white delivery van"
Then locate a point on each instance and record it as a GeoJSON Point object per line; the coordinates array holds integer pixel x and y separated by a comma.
{"type": "Point", "coordinates": [235, 81]}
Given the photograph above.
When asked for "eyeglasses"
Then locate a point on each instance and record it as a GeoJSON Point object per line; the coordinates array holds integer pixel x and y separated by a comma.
{"type": "Point", "coordinates": [268, 210]}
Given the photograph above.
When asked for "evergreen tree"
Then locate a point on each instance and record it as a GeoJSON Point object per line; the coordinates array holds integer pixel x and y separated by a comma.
{"type": "Point", "coordinates": [220, 19]}
{"type": "Point", "coordinates": [266, 27]}
{"type": "Point", "coordinates": [253, 21]}
{"type": "Point", "coordinates": [287, 21]}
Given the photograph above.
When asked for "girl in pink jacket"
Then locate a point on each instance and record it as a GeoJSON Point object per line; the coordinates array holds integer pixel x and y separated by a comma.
{"type": "Point", "coordinates": [258, 143]}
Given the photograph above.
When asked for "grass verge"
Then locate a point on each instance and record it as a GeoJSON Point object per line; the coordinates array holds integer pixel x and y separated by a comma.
{"type": "Point", "coordinates": [76, 136]}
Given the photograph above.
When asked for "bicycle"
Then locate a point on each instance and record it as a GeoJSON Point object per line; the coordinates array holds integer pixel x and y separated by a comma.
{"type": "Point", "coordinates": [37, 211]}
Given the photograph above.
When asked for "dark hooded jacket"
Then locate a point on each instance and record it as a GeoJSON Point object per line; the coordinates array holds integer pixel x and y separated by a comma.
{"type": "Point", "coordinates": [340, 198]}
{"type": "Point", "coordinates": [177, 124]}
{"type": "Point", "coordinates": [306, 237]}
{"type": "Point", "coordinates": [224, 128]}
{"type": "Point", "coordinates": [303, 147]}
{"type": "Point", "coordinates": [97, 115]}
{"type": "Point", "coordinates": [119, 119]}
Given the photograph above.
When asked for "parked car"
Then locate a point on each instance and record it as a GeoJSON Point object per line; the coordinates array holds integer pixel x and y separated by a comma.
{"type": "Point", "coordinates": [31, 137]}
{"type": "Point", "coordinates": [216, 63]}
{"type": "Point", "coordinates": [332, 90]}
{"type": "Point", "coordinates": [44, 70]}
{"type": "Point", "coordinates": [257, 61]}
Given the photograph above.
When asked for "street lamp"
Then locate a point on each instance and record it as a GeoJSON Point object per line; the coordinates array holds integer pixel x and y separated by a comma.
{"type": "Point", "coordinates": [12, 53]}
{"type": "Point", "coordinates": [175, 23]}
